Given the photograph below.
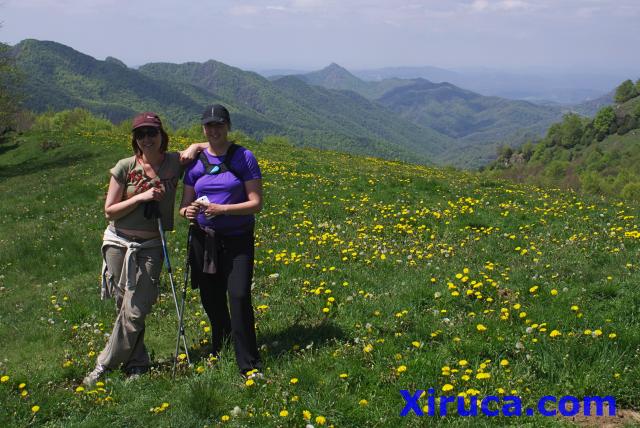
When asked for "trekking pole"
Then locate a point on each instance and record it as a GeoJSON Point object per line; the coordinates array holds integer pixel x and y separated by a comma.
{"type": "Point", "coordinates": [173, 287]}
{"type": "Point", "coordinates": [184, 297]}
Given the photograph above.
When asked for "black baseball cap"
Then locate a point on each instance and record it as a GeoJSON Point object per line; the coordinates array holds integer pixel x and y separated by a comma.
{"type": "Point", "coordinates": [215, 113]}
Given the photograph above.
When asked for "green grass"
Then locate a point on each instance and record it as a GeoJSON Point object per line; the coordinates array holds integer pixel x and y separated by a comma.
{"type": "Point", "coordinates": [378, 244]}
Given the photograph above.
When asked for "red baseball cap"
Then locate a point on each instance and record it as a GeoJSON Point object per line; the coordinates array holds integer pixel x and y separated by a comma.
{"type": "Point", "coordinates": [146, 119]}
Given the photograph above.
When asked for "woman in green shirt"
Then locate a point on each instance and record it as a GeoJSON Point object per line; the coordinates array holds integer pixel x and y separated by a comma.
{"type": "Point", "coordinates": [132, 248]}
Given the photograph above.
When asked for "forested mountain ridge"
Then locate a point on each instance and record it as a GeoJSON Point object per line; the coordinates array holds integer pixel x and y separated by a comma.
{"type": "Point", "coordinates": [312, 113]}
{"type": "Point", "coordinates": [58, 77]}
{"type": "Point", "coordinates": [414, 120]}
{"type": "Point", "coordinates": [598, 156]}
{"type": "Point", "coordinates": [478, 123]}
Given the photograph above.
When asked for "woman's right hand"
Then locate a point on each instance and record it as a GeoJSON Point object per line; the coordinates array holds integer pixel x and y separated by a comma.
{"type": "Point", "coordinates": [191, 212]}
{"type": "Point", "coordinates": [153, 194]}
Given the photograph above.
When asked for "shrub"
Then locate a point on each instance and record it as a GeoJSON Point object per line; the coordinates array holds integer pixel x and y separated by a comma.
{"type": "Point", "coordinates": [76, 119]}
{"type": "Point", "coordinates": [631, 191]}
{"type": "Point", "coordinates": [556, 169]}
{"type": "Point", "coordinates": [625, 91]}
{"type": "Point", "coordinates": [590, 182]}
{"type": "Point", "coordinates": [604, 121]}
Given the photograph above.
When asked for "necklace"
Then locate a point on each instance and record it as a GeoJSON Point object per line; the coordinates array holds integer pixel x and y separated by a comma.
{"type": "Point", "coordinates": [149, 169]}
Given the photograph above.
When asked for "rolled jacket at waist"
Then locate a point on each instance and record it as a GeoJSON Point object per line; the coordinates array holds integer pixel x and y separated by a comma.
{"type": "Point", "coordinates": [213, 241]}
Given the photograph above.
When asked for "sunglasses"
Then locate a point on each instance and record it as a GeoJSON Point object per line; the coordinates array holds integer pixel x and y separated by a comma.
{"type": "Point", "coordinates": [141, 133]}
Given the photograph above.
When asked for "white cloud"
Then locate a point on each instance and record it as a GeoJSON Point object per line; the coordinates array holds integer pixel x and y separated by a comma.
{"type": "Point", "coordinates": [307, 4]}
{"type": "Point", "coordinates": [513, 5]}
{"type": "Point", "coordinates": [243, 10]}
{"type": "Point", "coordinates": [479, 5]}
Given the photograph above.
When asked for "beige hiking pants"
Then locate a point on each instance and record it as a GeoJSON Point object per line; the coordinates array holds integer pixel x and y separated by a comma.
{"type": "Point", "coordinates": [133, 303]}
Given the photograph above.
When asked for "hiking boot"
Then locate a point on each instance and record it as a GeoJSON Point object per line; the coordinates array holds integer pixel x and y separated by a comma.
{"type": "Point", "coordinates": [93, 377]}
{"type": "Point", "coordinates": [134, 373]}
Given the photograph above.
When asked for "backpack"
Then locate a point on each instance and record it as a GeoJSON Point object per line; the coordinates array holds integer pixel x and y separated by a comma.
{"type": "Point", "coordinates": [218, 168]}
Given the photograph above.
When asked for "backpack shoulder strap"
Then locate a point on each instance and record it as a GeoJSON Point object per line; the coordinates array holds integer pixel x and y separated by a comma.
{"type": "Point", "coordinates": [233, 148]}
{"type": "Point", "coordinates": [225, 166]}
{"type": "Point", "coordinates": [205, 161]}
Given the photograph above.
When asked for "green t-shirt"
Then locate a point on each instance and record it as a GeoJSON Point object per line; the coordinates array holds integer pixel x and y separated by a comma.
{"type": "Point", "coordinates": [131, 174]}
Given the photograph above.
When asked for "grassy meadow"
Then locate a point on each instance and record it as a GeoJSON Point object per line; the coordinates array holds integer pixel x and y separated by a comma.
{"type": "Point", "coordinates": [371, 277]}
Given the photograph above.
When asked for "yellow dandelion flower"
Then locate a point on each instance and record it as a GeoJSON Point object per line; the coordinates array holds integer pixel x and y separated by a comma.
{"type": "Point", "coordinates": [306, 415]}
{"type": "Point", "coordinates": [481, 327]}
{"type": "Point", "coordinates": [225, 418]}
{"type": "Point", "coordinates": [555, 333]}
{"type": "Point", "coordinates": [250, 382]}
{"type": "Point", "coordinates": [482, 376]}
{"type": "Point", "coordinates": [401, 369]}
{"type": "Point", "coordinates": [447, 387]}
{"type": "Point", "coordinates": [284, 413]}
{"type": "Point", "coordinates": [4, 379]}
{"type": "Point", "coordinates": [463, 363]}
{"type": "Point", "coordinates": [343, 375]}
{"type": "Point", "coordinates": [321, 420]}
{"type": "Point", "coordinates": [504, 363]}
{"type": "Point", "coordinates": [293, 380]}
{"type": "Point", "coordinates": [363, 402]}
{"type": "Point", "coordinates": [35, 409]}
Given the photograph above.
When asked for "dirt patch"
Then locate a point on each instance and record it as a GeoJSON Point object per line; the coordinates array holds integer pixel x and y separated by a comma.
{"type": "Point", "coordinates": [622, 418]}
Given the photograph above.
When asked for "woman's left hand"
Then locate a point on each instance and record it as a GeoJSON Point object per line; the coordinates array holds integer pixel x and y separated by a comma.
{"type": "Point", "coordinates": [212, 210]}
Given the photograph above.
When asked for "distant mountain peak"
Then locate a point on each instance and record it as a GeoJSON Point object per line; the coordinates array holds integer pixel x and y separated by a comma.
{"type": "Point", "coordinates": [333, 76]}
{"type": "Point", "coordinates": [115, 61]}
{"type": "Point", "coordinates": [335, 66]}
{"type": "Point", "coordinates": [336, 69]}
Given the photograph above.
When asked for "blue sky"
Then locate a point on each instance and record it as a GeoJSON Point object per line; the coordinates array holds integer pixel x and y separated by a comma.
{"type": "Point", "coordinates": [586, 35]}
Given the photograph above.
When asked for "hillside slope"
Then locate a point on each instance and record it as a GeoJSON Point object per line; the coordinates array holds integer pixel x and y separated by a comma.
{"type": "Point", "coordinates": [474, 120]}
{"type": "Point", "coordinates": [598, 156]}
{"type": "Point", "coordinates": [58, 77]}
{"type": "Point", "coordinates": [479, 124]}
{"type": "Point", "coordinates": [370, 277]}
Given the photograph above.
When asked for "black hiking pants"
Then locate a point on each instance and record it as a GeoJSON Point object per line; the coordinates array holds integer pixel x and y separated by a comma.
{"type": "Point", "coordinates": [232, 317]}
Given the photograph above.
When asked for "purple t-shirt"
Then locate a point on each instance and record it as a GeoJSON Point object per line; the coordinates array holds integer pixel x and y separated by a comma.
{"type": "Point", "coordinates": [224, 188]}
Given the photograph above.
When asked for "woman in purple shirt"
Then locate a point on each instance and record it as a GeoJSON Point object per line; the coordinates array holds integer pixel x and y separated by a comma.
{"type": "Point", "coordinates": [222, 192]}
